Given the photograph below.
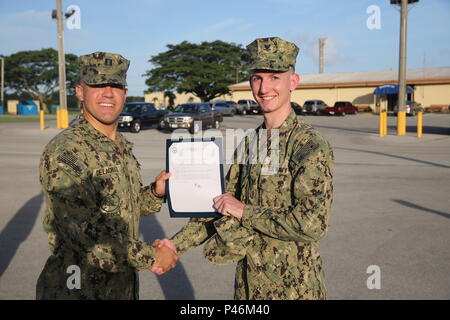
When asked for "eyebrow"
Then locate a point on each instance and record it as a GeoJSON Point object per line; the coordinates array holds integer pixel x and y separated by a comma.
{"type": "Point", "coordinates": [103, 85]}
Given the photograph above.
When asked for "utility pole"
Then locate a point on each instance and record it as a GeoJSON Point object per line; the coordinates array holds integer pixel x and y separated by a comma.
{"type": "Point", "coordinates": [401, 114]}
{"type": "Point", "coordinates": [321, 45]}
{"type": "Point", "coordinates": [3, 81]}
{"type": "Point", "coordinates": [61, 68]}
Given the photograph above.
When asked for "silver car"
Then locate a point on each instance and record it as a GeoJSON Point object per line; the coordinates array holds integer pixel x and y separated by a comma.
{"type": "Point", "coordinates": [316, 107]}
{"type": "Point", "coordinates": [223, 107]}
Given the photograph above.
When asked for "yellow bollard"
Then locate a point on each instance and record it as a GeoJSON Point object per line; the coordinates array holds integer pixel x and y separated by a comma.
{"type": "Point", "coordinates": [381, 124]}
{"type": "Point", "coordinates": [64, 118]}
{"type": "Point", "coordinates": [58, 118]}
{"type": "Point", "coordinates": [41, 120]}
{"type": "Point", "coordinates": [401, 123]}
{"type": "Point", "coordinates": [419, 124]}
{"type": "Point", "coordinates": [385, 123]}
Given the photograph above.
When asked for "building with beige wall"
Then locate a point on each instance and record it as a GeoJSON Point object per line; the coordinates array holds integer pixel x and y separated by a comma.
{"type": "Point", "coordinates": [430, 87]}
{"type": "Point", "coordinates": [162, 102]}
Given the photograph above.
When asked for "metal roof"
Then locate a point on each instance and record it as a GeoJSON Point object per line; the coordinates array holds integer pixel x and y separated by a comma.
{"type": "Point", "coordinates": [364, 77]}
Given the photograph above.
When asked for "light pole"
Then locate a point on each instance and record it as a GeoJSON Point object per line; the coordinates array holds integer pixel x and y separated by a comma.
{"type": "Point", "coordinates": [401, 114]}
{"type": "Point", "coordinates": [63, 115]}
{"type": "Point", "coordinates": [321, 45]}
{"type": "Point", "coordinates": [3, 81]}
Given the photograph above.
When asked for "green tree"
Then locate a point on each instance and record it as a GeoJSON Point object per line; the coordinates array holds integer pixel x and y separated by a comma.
{"type": "Point", "coordinates": [171, 97]}
{"type": "Point", "coordinates": [135, 99]}
{"type": "Point", "coordinates": [35, 74]}
{"type": "Point", "coordinates": [205, 70]}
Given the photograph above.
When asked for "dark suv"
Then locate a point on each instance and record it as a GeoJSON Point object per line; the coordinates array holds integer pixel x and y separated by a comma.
{"type": "Point", "coordinates": [190, 115]}
{"type": "Point", "coordinates": [136, 115]}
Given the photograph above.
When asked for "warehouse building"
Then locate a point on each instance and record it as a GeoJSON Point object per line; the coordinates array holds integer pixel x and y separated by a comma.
{"type": "Point", "coordinates": [429, 87]}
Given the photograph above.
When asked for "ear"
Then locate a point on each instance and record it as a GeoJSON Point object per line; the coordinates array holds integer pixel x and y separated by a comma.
{"type": "Point", "coordinates": [79, 92]}
{"type": "Point", "coordinates": [295, 79]}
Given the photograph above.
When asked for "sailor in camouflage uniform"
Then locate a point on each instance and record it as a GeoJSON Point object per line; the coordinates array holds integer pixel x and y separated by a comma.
{"type": "Point", "coordinates": [94, 195]}
{"type": "Point", "coordinates": [275, 211]}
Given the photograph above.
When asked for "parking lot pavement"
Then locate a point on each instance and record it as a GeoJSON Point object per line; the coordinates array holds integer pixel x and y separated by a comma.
{"type": "Point", "coordinates": [390, 209]}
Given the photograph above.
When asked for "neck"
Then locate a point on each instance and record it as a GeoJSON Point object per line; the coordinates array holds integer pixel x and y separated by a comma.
{"type": "Point", "coordinates": [273, 120]}
{"type": "Point", "coordinates": [108, 130]}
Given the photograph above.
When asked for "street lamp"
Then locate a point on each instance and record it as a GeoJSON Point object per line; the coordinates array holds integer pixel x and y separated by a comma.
{"type": "Point", "coordinates": [401, 114]}
{"type": "Point", "coordinates": [3, 80]}
{"type": "Point", "coordinates": [62, 63]}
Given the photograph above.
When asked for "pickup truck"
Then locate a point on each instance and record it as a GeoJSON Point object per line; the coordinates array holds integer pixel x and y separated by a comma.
{"type": "Point", "coordinates": [341, 108]}
{"type": "Point", "coordinates": [192, 116]}
{"type": "Point", "coordinates": [136, 115]}
{"type": "Point", "coordinates": [248, 107]}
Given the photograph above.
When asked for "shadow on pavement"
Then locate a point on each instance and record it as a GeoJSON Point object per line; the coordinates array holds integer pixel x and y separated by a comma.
{"type": "Point", "coordinates": [175, 284]}
{"type": "Point", "coordinates": [17, 230]}
{"type": "Point", "coordinates": [430, 129]}
{"type": "Point", "coordinates": [415, 206]}
{"type": "Point", "coordinates": [346, 129]}
{"type": "Point", "coordinates": [395, 156]}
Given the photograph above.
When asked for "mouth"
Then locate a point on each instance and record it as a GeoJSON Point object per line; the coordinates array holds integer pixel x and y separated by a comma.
{"type": "Point", "coordinates": [107, 105]}
{"type": "Point", "coordinates": [268, 98]}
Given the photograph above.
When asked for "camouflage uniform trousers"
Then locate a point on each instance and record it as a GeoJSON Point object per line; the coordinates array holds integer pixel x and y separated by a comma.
{"type": "Point", "coordinates": [275, 245]}
{"type": "Point", "coordinates": [94, 200]}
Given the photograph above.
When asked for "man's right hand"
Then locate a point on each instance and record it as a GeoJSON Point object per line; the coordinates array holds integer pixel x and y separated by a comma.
{"type": "Point", "coordinates": [166, 259]}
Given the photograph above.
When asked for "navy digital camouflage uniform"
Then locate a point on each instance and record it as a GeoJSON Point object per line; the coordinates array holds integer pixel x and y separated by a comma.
{"type": "Point", "coordinates": [94, 200]}
{"type": "Point", "coordinates": [286, 213]}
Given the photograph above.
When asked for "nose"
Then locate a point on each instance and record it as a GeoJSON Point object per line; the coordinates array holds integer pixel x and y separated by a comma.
{"type": "Point", "coordinates": [264, 86]}
{"type": "Point", "coordinates": [107, 92]}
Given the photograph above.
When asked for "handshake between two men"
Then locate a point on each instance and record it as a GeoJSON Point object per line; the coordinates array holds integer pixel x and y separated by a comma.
{"type": "Point", "coordinates": [166, 252]}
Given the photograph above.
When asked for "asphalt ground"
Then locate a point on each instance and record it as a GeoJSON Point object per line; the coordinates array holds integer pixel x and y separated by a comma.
{"type": "Point", "coordinates": [390, 209]}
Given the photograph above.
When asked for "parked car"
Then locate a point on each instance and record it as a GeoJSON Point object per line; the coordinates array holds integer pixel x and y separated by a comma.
{"type": "Point", "coordinates": [297, 108]}
{"type": "Point", "coordinates": [248, 107]}
{"type": "Point", "coordinates": [341, 108]}
{"type": "Point", "coordinates": [136, 115]}
{"type": "Point", "coordinates": [189, 115]}
{"type": "Point", "coordinates": [411, 108]}
{"type": "Point", "coordinates": [232, 105]}
{"type": "Point", "coordinates": [223, 107]}
{"type": "Point", "coordinates": [314, 107]}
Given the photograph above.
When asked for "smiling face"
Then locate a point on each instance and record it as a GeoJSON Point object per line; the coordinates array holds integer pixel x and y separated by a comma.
{"type": "Point", "coordinates": [272, 90]}
{"type": "Point", "coordinates": [102, 104]}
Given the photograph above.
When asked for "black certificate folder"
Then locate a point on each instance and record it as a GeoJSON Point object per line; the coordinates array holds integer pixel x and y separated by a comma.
{"type": "Point", "coordinates": [197, 176]}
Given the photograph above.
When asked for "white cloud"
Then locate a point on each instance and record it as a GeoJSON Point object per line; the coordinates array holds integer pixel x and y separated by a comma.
{"type": "Point", "coordinates": [27, 30]}
{"type": "Point", "coordinates": [222, 25]}
{"type": "Point", "coordinates": [309, 47]}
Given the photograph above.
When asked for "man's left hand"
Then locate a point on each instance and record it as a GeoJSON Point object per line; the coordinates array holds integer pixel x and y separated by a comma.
{"type": "Point", "coordinates": [160, 183]}
{"type": "Point", "coordinates": [228, 205]}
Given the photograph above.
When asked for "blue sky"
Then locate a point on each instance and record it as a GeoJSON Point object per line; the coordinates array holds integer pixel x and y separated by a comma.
{"type": "Point", "coordinates": [138, 29]}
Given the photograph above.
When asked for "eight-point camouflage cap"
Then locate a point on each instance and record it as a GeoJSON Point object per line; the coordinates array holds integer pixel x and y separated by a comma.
{"type": "Point", "coordinates": [103, 68]}
{"type": "Point", "coordinates": [272, 54]}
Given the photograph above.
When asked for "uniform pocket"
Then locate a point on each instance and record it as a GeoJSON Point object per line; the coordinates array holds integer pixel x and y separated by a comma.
{"type": "Point", "coordinates": [274, 189]}
{"type": "Point", "coordinates": [108, 186]}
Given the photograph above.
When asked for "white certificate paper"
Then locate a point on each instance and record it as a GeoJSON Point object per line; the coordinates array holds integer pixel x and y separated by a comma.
{"type": "Point", "coordinates": [196, 177]}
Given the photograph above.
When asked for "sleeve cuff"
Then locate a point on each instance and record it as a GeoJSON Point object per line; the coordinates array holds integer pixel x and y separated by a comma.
{"type": "Point", "coordinates": [248, 214]}
{"type": "Point", "coordinates": [144, 256]}
{"type": "Point", "coordinates": [148, 195]}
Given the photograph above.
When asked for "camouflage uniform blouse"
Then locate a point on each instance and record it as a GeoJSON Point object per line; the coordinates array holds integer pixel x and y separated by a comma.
{"type": "Point", "coordinates": [94, 200]}
{"type": "Point", "coordinates": [276, 243]}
